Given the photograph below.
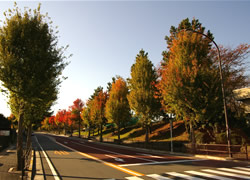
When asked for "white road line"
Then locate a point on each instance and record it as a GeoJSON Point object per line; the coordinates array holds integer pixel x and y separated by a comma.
{"type": "Point", "coordinates": [243, 168]}
{"type": "Point", "coordinates": [207, 175]}
{"type": "Point", "coordinates": [234, 171]}
{"type": "Point", "coordinates": [56, 177]}
{"type": "Point", "coordinates": [226, 173]}
{"type": "Point", "coordinates": [134, 178]}
{"type": "Point", "coordinates": [115, 158]}
{"type": "Point", "coordinates": [110, 156]}
{"type": "Point", "coordinates": [150, 155]}
{"type": "Point", "coordinates": [158, 177]}
{"type": "Point", "coordinates": [162, 162]}
{"type": "Point", "coordinates": [184, 176]}
{"type": "Point", "coordinates": [114, 152]}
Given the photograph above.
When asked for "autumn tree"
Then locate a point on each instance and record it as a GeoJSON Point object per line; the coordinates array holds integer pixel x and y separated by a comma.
{"type": "Point", "coordinates": [45, 125]}
{"type": "Point", "coordinates": [86, 116]}
{"type": "Point", "coordinates": [76, 109]}
{"type": "Point", "coordinates": [117, 107]}
{"type": "Point", "coordinates": [142, 87]}
{"type": "Point", "coordinates": [96, 106]}
{"type": "Point", "coordinates": [190, 82]}
{"type": "Point", "coordinates": [98, 109]}
{"type": "Point", "coordinates": [234, 68]}
{"type": "Point", "coordinates": [30, 61]}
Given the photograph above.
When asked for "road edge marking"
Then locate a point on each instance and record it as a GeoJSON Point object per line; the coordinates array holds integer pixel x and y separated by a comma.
{"type": "Point", "coordinates": [125, 170]}
{"type": "Point", "coordinates": [54, 173]}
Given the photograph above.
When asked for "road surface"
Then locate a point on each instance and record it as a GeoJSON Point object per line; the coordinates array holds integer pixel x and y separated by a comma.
{"type": "Point", "coordinates": [74, 158]}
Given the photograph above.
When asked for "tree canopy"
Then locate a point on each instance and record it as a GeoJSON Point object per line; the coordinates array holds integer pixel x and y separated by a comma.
{"type": "Point", "coordinates": [142, 87]}
{"type": "Point", "coordinates": [117, 107]}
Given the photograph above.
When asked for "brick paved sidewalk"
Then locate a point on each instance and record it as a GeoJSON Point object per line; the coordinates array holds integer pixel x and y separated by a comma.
{"type": "Point", "coordinates": [8, 164]}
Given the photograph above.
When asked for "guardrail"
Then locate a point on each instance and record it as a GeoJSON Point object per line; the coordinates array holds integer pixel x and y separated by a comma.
{"type": "Point", "coordinates": [237, 151]}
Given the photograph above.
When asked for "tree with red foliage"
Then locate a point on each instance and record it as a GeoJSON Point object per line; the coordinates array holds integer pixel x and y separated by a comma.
{"type": "Point", "coordinates": [76, 109]}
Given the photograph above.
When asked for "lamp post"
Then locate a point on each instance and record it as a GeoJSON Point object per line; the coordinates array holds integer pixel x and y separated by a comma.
{"type": "Point", "coordinates": [222, 86]}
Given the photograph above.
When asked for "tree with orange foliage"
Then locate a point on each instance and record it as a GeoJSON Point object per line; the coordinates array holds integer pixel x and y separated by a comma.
{"type": "Point", "coordinates": [189, 82]}
{"type": "Point", "coordinates": [117, 107]}
{"type": "Point", "coordinates": [76, 109]}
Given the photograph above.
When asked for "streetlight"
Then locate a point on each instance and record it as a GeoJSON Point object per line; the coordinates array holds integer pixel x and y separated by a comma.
{"type": "Point", "coordinates": [222, 87]}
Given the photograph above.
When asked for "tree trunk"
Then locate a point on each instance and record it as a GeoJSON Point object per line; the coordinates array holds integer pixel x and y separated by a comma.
{"type": "Point", "coordinates": [119, 134]}
{"type": "Point", "coordinates": [192, 137]}
{"type": "Point", "coordinates": [28, 144]}
{"type": "Point", "coordinates": [64, 128]}
{"type": "Point", "coordinates": [101, 133]}
{"type": "Point", "coordinates": [20, 139]}
{"type": "Point", "coordinates": [79, 129]}
{"type": "Point", "coordinates": [147, 134]}
{"type": "Point", "coordinates": [89, 132]}
{"type": "Point", "coordinates": [71, 130]}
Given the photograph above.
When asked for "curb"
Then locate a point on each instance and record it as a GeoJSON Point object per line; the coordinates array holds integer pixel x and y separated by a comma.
{"type": "Point", "coordinates": [39, 169]}
{"type": "Point", "coordinates": [31, 166]}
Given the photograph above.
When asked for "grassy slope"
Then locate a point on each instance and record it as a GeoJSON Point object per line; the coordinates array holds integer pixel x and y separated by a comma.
{"type": "Point", "coordinates": [160, 132]}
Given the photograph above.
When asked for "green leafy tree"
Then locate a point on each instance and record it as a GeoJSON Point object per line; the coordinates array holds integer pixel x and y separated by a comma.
{"type": "Point", "coordinates": [85, 115]}
{"type": "Point", "coordinates": [99, 110]}
{"type": "Point", "coordinates": [30, 61]}
{"type": "Point", "coordinates": [117, 106]}
{"type": "Point", "coordinates": [142, 97]}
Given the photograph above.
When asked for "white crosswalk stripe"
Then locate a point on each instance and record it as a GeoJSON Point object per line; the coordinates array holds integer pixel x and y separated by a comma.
{"type": "Point", "coordinates": [226, 173]}
{"type": "Point", "coordinates": [207, 175]}
{"type": "Point", "coordinates": [218, 173]}
{"type": "Point", "coordinates": [234, 171]}
{"type": "Point", "coordinates": [184, 176]}
{"type": "Point", "coordinates": [158, 177]}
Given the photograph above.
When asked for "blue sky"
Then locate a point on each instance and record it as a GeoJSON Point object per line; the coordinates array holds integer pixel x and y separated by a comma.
{"type": "Point", "coordinates": [105, 36]}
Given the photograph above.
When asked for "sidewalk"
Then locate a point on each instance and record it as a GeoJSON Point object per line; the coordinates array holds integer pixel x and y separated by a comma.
{"type": "Point", "coordinates": [8, 164]}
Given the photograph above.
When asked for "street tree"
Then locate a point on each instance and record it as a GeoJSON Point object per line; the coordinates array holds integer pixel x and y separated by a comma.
{"type": "Point", "coordinates": [98, 108]}
{"type": "Point", "coordinates": [76, 109]}
{"type": "Point", "coordinates": [190, 83]}
{"type": "Point", "coordinates": [234, 68]}
{"type": "Point", "coordinates": [86, 116]}
{"type": "Point", "coordinates": [30, 61]}
{"type": "Point", "coordinates": [142, 85]}
{"type": "Point", "coordinates": [117, 107]}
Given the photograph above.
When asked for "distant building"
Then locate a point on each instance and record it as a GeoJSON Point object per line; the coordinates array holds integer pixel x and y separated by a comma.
{"type": "Point", "coordinates": [243, 95]}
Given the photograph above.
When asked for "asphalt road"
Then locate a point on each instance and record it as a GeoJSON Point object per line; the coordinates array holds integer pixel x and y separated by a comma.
{"type": "Point", "coordinates": [74, 158]}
